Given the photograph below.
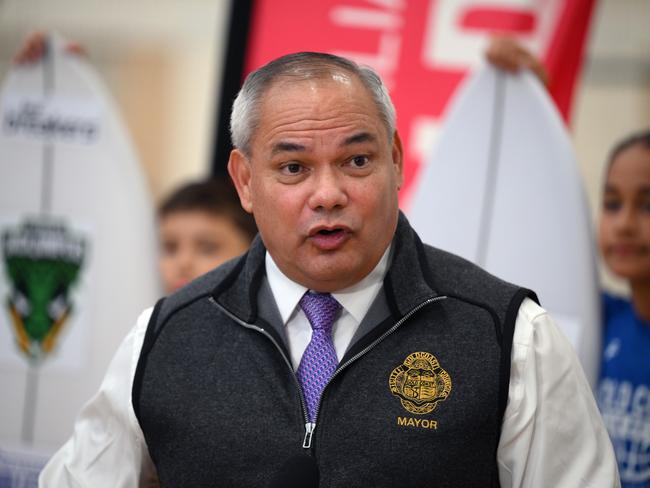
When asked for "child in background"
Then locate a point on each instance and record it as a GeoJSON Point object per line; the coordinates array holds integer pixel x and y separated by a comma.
{"type": "Point", "coordinates": [624, 238]}
{"type": "Point", "coordinates": [201, 225]}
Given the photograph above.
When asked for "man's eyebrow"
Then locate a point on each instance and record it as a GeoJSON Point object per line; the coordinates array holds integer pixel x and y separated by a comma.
{"type": "Point", "coordinates": [284, 146]}
{"type": "Point", "coordinates": [359, 138]}
{"type": "Point", "coordinates": [287, 147]}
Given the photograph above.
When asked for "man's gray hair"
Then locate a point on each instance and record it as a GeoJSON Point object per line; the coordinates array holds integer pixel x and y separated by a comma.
{"type": "Point", "coordinates": [245, 116]}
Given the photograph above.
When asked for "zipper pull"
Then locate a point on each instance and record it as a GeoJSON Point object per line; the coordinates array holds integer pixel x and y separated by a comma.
{"type": "Point", "coordinates": [309, 432]}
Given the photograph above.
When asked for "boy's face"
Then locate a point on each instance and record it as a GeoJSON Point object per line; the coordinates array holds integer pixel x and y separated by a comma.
{"type": "Point", "coordinates": [193, 242]}
{"type": "Point", "coordinates": [625, 220]}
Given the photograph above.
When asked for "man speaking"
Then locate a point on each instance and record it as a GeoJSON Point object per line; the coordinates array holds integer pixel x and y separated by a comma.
{"type": "Point", "coordinates": [339, 346]}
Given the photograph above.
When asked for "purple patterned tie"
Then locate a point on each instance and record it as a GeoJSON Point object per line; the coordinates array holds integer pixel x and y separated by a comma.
{"type": "Point", "coordinates": [319, 360]}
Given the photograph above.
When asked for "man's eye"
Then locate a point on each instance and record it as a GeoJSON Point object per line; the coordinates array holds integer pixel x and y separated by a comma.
{"type": "Point", "coordinates": [292, 168]}
{"type": "Point", "coordinates": [359, 161]}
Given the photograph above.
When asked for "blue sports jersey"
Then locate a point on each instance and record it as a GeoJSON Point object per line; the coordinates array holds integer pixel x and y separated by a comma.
{"type": "Point", "coordinates": [624, 389]}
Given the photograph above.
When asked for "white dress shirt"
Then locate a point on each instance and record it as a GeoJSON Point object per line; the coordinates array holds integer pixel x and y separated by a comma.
{"type": "Point", "coordinates": [552, 434]}
{"type": "Point", "coordinates": [355, 302]}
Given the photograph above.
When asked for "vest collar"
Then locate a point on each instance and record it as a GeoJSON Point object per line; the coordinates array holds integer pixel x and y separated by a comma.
{"type": "Point", "coordinates": [406, 284]}
{"type": "Point", "coordinates": [408, 281]}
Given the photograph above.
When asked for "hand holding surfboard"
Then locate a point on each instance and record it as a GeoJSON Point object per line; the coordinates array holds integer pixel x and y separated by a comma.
{"type": "Point", "coordinates": [502, 189]}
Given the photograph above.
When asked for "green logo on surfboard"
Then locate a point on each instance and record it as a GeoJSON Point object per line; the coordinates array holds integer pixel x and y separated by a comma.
{"type": "Point", "coordinates": [42, 261]}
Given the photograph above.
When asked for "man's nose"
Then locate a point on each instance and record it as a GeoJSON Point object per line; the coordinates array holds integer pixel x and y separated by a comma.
{"type": "Point", "coordinates": [329, 190]}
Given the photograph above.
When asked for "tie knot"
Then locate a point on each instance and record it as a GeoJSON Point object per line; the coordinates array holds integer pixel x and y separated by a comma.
{"type": "Point", "coordinates": [320, 309]}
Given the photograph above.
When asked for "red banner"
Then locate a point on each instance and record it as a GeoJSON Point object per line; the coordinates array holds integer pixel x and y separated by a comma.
{"type": "Point", "coordinates": [424, 48]}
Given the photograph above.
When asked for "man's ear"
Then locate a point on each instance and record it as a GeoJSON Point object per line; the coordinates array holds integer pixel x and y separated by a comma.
{"type": "Point", "coordinates": [398, 159]}
{"type": "Point", "coordinates": [239, 168]}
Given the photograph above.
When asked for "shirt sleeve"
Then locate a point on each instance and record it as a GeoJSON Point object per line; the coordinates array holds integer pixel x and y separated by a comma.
{"type": "Point", "coordinates": [107, 447]}
{"type": "Point", "coordinates": [552, 434]}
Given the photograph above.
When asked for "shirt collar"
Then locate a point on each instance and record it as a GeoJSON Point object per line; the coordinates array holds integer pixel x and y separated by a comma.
{"type": "Point", "coordinates": [356, 299]}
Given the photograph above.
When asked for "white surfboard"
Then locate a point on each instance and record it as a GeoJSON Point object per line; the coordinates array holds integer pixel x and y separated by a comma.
{"type": "Point", "coordinates": [77, 247]}
{"type": "Point", "coordinates": [503, 190]}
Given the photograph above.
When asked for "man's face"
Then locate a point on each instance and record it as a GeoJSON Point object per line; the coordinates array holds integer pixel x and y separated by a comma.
{"type": "Point", "coordinates": [321, 181]}
{"type": "Point", "coordinates": [625, 220]}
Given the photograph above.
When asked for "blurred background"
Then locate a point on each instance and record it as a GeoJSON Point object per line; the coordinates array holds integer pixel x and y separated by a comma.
{"type": "Point", "coordinates": [161, 60]}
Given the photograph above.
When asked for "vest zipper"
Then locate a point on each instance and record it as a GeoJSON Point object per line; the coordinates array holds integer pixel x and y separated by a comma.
{"type": "Point", "coordinates": [366, 349]}
{"type": "Point", "coordinates": [310, 427]}
{"type": "Point", "coordinates": [309, 432]}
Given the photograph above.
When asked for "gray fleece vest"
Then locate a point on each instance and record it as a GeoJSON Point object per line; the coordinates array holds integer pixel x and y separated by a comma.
{"type": "Point", "coordinates": [417, 400]}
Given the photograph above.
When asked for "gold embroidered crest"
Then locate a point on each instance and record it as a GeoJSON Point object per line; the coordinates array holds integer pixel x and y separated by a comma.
{"type": "Point", "coordinates": [420, 383]}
